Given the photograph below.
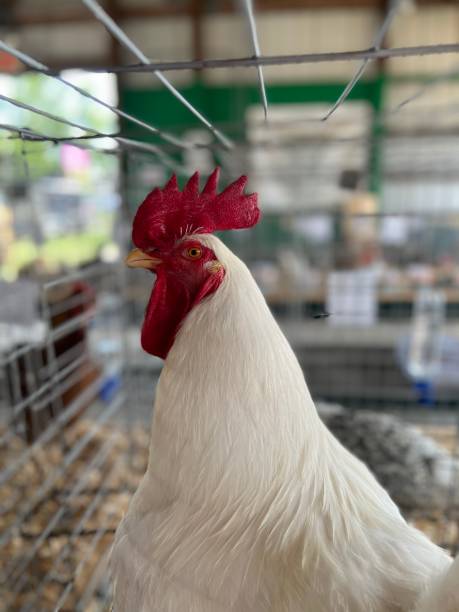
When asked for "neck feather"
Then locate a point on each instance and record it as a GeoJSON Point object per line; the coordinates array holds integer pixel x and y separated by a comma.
{"type": "Point", "coordinates": [232, 394]}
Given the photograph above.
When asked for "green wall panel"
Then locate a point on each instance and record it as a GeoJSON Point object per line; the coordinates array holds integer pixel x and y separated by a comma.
{"type": "Point", "coordinates": [226, 106]}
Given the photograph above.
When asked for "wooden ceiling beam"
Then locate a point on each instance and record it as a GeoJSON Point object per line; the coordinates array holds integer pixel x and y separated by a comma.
{"type": "Point", "coordinates": [83, 16]}
{"type": "Point", "coordinates": [279, 5]}
{"type": "Point", "coordinates": [78, 15]}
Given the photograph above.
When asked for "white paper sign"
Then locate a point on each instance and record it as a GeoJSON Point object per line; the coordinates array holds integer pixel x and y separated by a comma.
{"type": "Point", "coordinates": [352, 297]}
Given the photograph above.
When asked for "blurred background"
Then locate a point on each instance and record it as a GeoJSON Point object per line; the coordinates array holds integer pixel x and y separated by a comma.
{"type": "Point", "coordinates": [345, 116]}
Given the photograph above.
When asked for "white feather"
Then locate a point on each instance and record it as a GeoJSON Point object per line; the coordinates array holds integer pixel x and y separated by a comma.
{"type": "Point", "coordinates": [249, 504]}
{"type": "Point", "coordinates": [443, 596]}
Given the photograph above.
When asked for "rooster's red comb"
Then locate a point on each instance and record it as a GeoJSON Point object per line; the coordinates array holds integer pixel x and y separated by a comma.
{"type": "Point", "coordinates": [168, 214]}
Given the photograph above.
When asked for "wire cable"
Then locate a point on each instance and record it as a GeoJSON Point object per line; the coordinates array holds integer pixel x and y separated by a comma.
{"type": "Point", "coordinates": [122, 37]}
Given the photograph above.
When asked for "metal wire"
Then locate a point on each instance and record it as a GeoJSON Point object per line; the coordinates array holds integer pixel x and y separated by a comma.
{"type": "Point", "coordinates": [97, 536]}
{"type": "Point", "coordinates": [377, 42]}
{"type": "Point", "coordinates": [121, 36]}
{"type": "Point", "coordinates": [67, 370]}
{"type": "Point", "coordinates": [25, 510]}
{"type": "Point", "coordinates": [93, 586]}
{"type": "Point", "coordinates": [16, 571]}
{"type": "Point", "coordinates": [247, 6]}
{"type": "Point", "coordinates": [28, 135]}
{"type": "Point", "coordinates": [41, 68]}
{"type": "Point", "coordinates": [46, 382]}
{"type": "Point", "coordinates": [53, 117]}
{"type": "Point", "coordinates": [129, 143]}
{"type": "Point", "coordinates": [97, 462]}
{"type": "Point", "coordinates": [419, 92]}
{"type": "Point", "coordinates": [280, 60]}
{"type": "Point", "coordinates": [53, 388]}
{"type": "Point", "coordinates": [32, 136]}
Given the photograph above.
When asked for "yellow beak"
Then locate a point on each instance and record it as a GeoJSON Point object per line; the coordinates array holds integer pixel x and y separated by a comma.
{"type": "Point", "coordinates": [139, 259]}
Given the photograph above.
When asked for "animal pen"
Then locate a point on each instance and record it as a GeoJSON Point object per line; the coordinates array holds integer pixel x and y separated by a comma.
{"type": "Point", "coordinates": [360, 172]}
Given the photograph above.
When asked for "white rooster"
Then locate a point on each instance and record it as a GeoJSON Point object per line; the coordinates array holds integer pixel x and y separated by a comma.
{"type": "Point", "coordinates": [249, 504]}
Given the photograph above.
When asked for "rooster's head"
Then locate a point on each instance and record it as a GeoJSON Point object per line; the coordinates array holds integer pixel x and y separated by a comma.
{"type": "Point", "coordinates": [166, 233]}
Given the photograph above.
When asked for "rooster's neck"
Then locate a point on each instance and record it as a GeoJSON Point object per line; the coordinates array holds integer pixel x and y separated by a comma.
{"type": "Point", "coordinates": [232, 401]}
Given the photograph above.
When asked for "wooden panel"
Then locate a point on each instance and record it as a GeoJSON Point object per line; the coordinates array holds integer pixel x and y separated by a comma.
{"type": "Point", "coordinates": [83, 41]}
{"type": "Point", "coordinates": [25, 15]}
{"type": "Point", "coordinates": [291, 32]}
{"type": "Point", "coordinates": [427, 25]}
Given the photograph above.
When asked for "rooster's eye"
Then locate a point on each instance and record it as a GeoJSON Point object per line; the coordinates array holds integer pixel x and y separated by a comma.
{"type": "Point", "coordinates": [193, 253]}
